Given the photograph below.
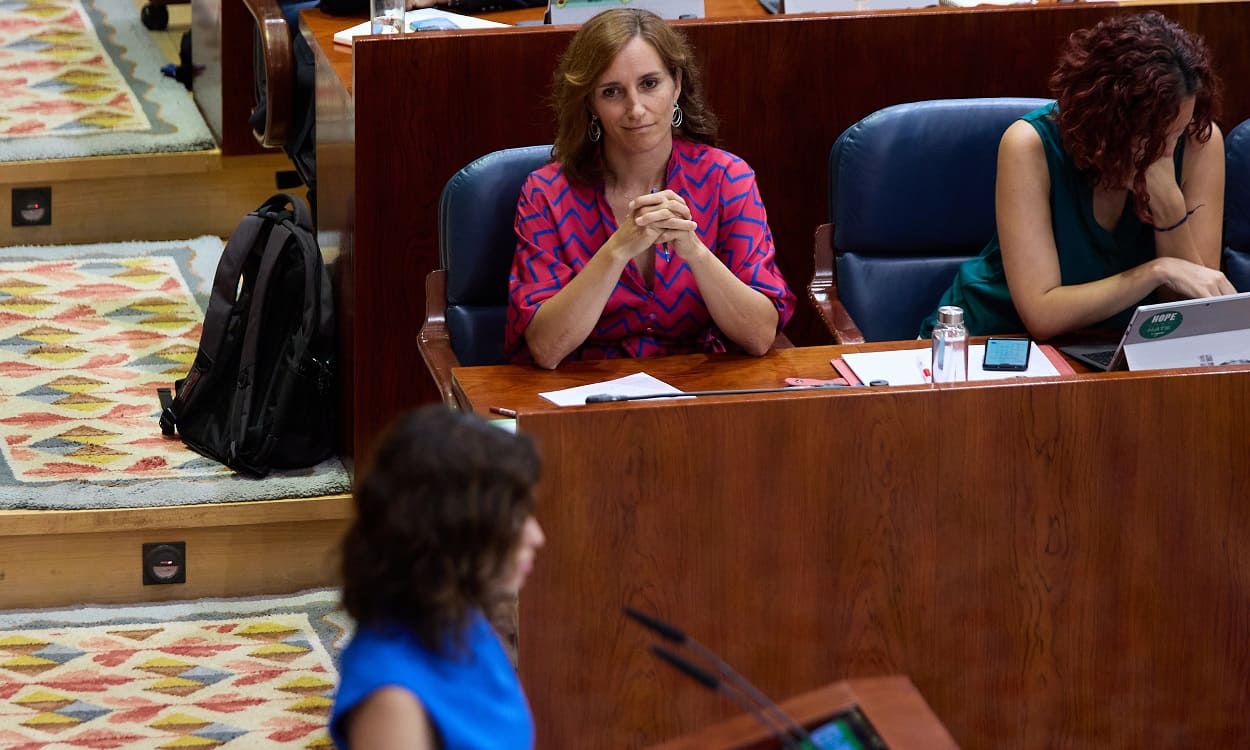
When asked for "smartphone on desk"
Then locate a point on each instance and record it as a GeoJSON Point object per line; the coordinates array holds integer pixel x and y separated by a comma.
{"type": "Point", "coordinates": [1010, 354]}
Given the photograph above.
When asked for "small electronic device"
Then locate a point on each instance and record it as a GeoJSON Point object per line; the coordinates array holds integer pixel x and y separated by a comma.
{"type": "Point", "coordinates": [1011, 354]}
{"type": "Point", "coordinates": [432, 24]}
{"type": "Point", "coordinates": [847, 730]}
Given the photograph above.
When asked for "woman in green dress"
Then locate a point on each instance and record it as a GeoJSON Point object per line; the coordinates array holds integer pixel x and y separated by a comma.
{"type": "Point", "coordinates": [1110, 197]}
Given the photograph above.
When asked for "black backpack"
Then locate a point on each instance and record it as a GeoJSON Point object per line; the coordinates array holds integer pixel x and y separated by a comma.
{"type": "Point", "coordinates": [261, 392]}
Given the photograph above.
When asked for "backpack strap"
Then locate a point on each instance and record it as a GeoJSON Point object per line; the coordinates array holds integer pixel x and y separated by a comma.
{"type": "Point", "coordinates": [239, 248]}
{"type": "Point", "coordinates": [278, 203]}
{"type": "Point", "coordinates": [297, 225]}
{"type": "Point", "coordinates": [274, 248]}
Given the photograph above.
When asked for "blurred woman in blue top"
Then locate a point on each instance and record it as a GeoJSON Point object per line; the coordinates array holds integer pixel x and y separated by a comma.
{"type": "Point", "coordinates": [443, 530]}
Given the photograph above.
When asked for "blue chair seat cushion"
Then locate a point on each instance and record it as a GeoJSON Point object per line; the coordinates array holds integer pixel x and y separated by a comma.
{"type": "Point", "coordinates": [891, 296]}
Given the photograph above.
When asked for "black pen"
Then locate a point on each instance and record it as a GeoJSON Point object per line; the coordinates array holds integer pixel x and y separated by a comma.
{"type": "Point", "coordinates": [509, 413]}
{"type": "Point", "coordinates": [668, 254]}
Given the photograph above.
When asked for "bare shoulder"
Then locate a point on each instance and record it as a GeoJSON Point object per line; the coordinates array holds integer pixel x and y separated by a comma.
{"type": "Point", "coordinates": [1213, 148]}
{"type": "Point", "coordinates": [1022, 160]}
{"type": "Point", "coordinates": [1021, 141]}
{"type": "Point", "coordinates": [391, 718]}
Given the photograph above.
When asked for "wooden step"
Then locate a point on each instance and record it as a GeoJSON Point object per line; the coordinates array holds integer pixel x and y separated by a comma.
{"type": "Point", "coordinates": [140, 196]}
{"type": "Point", "coordinates": [52, 558]}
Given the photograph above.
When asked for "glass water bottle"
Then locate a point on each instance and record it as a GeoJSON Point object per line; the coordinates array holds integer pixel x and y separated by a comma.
{"type": "Point", "coordinates": [950, 346]}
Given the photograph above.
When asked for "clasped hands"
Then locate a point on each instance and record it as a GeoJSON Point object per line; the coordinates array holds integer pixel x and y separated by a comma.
{"type": "Point", "coordinates": [660, 218]}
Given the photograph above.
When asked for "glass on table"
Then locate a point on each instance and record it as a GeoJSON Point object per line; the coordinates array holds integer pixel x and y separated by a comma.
{"type": "Point", "coordinates": [387, 16]}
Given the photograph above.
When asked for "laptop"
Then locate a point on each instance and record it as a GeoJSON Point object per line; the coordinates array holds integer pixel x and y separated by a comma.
{"type": "Point", "coordinates": [1190, 333]}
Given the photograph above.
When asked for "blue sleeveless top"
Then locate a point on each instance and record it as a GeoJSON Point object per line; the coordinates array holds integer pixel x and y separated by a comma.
{"type": "Point", "coordinates": [474, 700]}
{"type": "Point", "coordinates": [1087, 252]}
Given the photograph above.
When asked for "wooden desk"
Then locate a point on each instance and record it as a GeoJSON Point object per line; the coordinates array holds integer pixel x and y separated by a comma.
{"type": "Point", "coordinates": [891, 704]}
{"type": "Point", "coordinates": [1057, 563]}
{"type": "Point", "coordinates": [393, 127]}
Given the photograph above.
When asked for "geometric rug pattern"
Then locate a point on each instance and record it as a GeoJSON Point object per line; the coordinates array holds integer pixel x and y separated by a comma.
{"type": "Point", "coordinates": [83, 78]}
{"type": "Point", "coordinates": [84, 345]}
{"type": "Point", "coordinates": [55, 75]}
{"type": "Point", "coordinates": [252, 680]}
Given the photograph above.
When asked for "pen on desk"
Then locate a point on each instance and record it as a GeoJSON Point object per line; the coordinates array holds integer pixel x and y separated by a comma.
{"type": "Point", "coordinates": [509, 413]}
{"type": "Point", "coordinates": [663, 245]}
{"type": "Point", "coordinates": [925, 371]}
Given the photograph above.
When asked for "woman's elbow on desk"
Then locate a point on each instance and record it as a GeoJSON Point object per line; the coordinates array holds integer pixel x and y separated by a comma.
{"type": "Point", "coordinates": [544, 353]}
{"type": "Point", "coordinates": [759, 348]}
{"type": "Point", "coordinates": [544, 359]}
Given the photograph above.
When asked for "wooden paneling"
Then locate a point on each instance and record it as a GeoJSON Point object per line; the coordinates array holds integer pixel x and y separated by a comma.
{"type": "Point", "coordinates": [1055, 564]}
{"type": "Point", "coordinates": [784, 88]}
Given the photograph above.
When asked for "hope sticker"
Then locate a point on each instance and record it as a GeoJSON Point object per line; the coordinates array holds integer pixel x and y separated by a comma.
{"type": "Point", "coordinates": [1161, 324]}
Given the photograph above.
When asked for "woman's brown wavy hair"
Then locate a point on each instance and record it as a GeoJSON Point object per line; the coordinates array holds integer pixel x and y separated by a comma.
{"type": "Point", "coordinates": [1119, 86]}
{"type": "Point", "coordinates": [590, 52]}
{"type": "Point", "coordinates": [438, 515]}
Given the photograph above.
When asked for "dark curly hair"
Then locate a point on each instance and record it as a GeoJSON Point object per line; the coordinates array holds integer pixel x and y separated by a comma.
{"type": "Point", "coordinates": [1119, 87]}
{"type": "Point", "coordinates": [437, 516]}
{"type": "Point", "coordinates": [590, 52]}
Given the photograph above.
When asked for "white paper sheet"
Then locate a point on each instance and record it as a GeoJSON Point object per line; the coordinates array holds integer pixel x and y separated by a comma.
{"type": "Point", "coordinates": [638, 384]}
{"type": "Point", "coordinates": [422, 15]}
{"type": "Point", "coordinates": [898, 367]}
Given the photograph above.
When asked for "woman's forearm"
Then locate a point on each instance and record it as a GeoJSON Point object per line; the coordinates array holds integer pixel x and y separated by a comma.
{"type": "Point", "coordinates": [564, 321]}
{"type": "Point", "coordinates": [743, 314]}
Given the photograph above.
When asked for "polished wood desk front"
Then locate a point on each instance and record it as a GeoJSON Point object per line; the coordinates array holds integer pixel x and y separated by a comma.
{"type": "Point", "coordinates": [1054, 563]}
{"type": "Point", "coordinates": [397, 121]}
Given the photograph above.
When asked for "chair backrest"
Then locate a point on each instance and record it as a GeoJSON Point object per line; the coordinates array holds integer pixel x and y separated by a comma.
{"type": "Point", "coordinates": [911, 196]}
{"type": "Point", "coordinates": [1237, 207]}
{"type": "Point", "coordinates": [283, 85]}
{"type": "Point", "coordinates": [476, 244]}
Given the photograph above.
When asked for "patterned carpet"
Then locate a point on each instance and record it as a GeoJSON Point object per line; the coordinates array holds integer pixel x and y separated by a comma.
{"type": "Point", "coordinates": [84, 344]}
{"type": "Point", "coordinates": [82, 78]}
{"type": "Point", "coordinates": [238, 673]}
{"type": "Point", "coordinates": [87, 336]}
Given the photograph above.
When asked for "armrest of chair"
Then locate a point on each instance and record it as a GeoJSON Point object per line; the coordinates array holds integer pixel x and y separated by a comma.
{"type": "Point", "coordinates": [274, 40]}
{"type": "Point", "coordinates": [823, 291]}
{"type": "Point", "coordinates": [433, 340]}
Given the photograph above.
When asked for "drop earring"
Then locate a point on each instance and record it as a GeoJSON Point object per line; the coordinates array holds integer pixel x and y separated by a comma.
{"type": "Point", "coordinates": [594, 131]}
{"type": "Point", "coordinates": [678, 115]}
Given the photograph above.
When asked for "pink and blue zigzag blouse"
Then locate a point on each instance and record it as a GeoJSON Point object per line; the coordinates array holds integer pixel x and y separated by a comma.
{"type": "Point", "coordinates": [560, 225]}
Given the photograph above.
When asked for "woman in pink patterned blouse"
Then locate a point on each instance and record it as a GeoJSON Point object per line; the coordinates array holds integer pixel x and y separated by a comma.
{"type": "Point", "coordinates": [640, 238]}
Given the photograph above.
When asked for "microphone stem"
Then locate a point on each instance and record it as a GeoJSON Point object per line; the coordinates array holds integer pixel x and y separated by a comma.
{"type": "Point", "coordinates": [606, 398]}
{"type": "Point", "coordinates": [765, 705]}
{"type": "Point", "coordinates": [778, 731]}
